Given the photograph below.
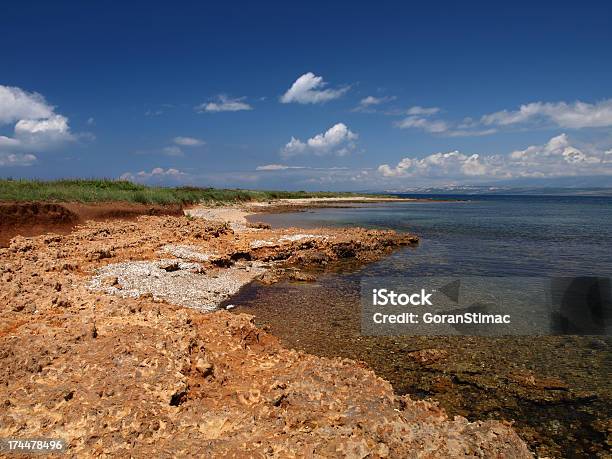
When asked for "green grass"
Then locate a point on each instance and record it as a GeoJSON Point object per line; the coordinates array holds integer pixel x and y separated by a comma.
{"type": "Point", "coordinates": [119, 190]}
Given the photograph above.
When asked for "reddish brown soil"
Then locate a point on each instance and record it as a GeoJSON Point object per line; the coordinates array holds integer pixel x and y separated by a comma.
{"type": "Point", "coordinates": [35, 218]}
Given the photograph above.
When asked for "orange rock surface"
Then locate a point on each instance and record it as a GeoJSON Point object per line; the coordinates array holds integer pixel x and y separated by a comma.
{"type": "Point", "coordinates": [138, 377]}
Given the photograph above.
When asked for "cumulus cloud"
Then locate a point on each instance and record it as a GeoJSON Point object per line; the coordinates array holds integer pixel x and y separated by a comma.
{"type": "Point", "coordinates": [452, 163]}
{"type": "Point", "coordinates": [338, 140]}
{"type": "Point", "coordinates": [224, 103]}
{"type": "Point", "coordinates": [557, 155]}
{"type": "Point", "coordinates": [43, 132]}
{"type": "Point", "coordinates": [37, 126]}
{"type": "Point", "coordinates": [17, 104]}
{"type": "Point", "coordinates": [310, 89]}
{"type": "Point", "coordinates": [574, 115]}
{"type": "Point", "coordinates": [556, 158]}
{"type": "Point", "coordinates": [188, 141]}
{"type": "Point", "coordinates": [157, 174]}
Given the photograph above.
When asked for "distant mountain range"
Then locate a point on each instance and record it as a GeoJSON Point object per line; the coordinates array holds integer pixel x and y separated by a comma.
{"type": "Point", "coordinates": [476, 190]}
{"type": "Point", "coordinates": [574, 186]}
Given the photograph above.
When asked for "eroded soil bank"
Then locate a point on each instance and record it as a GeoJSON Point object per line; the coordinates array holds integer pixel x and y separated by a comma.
{"type": "Point", "coordinates": [93, 354]}
{"type": "Point", "coordinates": [34, 218]}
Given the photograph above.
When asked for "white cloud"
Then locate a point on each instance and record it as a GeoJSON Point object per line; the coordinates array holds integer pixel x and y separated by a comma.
{"type": "Point", "coordinates": [309, 89]}
{"type": "Point", "coordinates": [224, 104]}
{"type": "Point", "coordinates": [368, 104]}
{"type": "Point", "coordinates": [433, 126]}
{"type": "Point", "coordinates": [17, 104]}
{"type": "Point", "coordinates": [43, 132]}
{"type": "Point", "coordinates": [371, 100]}
{"type": "Point", "coordinates": [188, 141]}
{"type": "Point", "coordinates": [333, 137]}
{"type": "Point", "coordinates": [293, 147]}
{"type": "Point", "coordinates": [37, 126]}
{"type": "Point", "coordinates": [441, 164]}
{"type": "Point", "coordinates": [555, 153]}
{"type": "Point", "coordinates": [422, 111]}
{"type": "Point", "coordinates": [574, 115]}
{"type": "Point", "coordinates": [157, 174]}
{"type": "Point", "coordinates": [17, 159]}
{"type": "Point", "coordinates": [556, 158]}
{"type": "Point", "coordinates": [421, 120]}
{"type": "Point", "coordinates": [338, 140]}
{"type": "Point", "coordinates": [419, 117]}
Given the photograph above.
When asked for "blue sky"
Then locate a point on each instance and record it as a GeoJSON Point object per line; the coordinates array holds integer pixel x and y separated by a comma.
{"type": "Point", "coordinates": [384, 95]}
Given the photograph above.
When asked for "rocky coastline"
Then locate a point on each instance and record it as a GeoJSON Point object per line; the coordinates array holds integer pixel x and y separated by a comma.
{"type": "Point", "coordinates": [104, 343]}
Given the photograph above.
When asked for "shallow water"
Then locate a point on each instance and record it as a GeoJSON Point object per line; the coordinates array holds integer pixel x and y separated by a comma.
{"type": "Point", "coordinates": [492, 236]}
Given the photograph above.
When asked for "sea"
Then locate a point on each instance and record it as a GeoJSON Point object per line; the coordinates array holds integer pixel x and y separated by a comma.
{"type": "Point", "coordinates": [483, 235]}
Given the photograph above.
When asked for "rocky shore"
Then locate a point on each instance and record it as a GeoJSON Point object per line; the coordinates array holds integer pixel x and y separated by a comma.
{"type": "Point", "coordinates": [104, 343]}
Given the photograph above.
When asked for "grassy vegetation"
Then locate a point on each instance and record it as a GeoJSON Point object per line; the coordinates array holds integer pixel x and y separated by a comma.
{"type": "Point", "coordinates": [119, 190]}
